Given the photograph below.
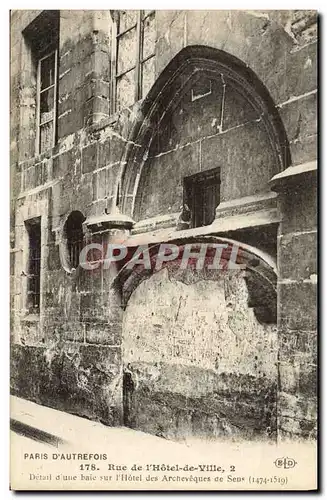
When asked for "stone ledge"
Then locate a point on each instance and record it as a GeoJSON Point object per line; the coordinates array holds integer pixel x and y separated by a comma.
{"type": "Point", "coordinates": [245, 204]}
{"type": "Point", "coordinates": [292, 175]}
{"type": "Point", "coordinates": [221, 225]}
{"type": "Point", "coordinates": [229, 210]}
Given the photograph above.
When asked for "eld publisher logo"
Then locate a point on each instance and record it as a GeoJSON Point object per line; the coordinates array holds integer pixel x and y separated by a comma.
{"type": "Point", "coordinates": [285, 462]}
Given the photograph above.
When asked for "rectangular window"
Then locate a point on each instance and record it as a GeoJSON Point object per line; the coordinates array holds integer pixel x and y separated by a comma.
{"type": "Point", "coordinates": [33, 227]}
{"type": "Point", "coordinates": [134, 56]}
{"type": "Point", "coordinates": [202, 196]}
{"type": "Point", "coordinates": [42, 36]}
{"type": "Point", "coordinates": [47, 101]}
{"type": "Point", "coordinates": [75, 237]}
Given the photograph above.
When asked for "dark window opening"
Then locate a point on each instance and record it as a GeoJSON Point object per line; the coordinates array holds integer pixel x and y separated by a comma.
{"type": "Point", "coordinates": [75, 237]}
{"type": "Point", "coordinates": [34, 265]}
{"type": "Point", "coordinates": [202, 196]}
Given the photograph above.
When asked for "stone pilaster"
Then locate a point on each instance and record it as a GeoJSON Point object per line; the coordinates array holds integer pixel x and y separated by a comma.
{"type": "Point", "coordinates": [297, 302]}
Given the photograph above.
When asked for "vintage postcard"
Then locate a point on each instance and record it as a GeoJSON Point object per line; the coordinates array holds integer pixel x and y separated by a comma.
{"type": "Point", "coordinates": [163, 250]}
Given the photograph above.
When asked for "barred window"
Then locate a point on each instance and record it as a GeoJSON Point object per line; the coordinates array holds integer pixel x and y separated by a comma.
{"type": "Point", "coordinates": [47, 101]}
{"type": "Point", "coordinates": [75, 237]}
{"type": "Point", "coordinates": [133, 56]}
{"type": "Point", "coordinates": [33, 227]}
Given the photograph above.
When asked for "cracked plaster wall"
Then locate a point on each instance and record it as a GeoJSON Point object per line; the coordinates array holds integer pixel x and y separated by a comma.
{"type": "Point", "coordinates": [201, 363]}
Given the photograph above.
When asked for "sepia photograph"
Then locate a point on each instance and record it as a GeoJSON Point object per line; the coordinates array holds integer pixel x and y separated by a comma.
{"type": "Point", "coordinates": [163, 249]}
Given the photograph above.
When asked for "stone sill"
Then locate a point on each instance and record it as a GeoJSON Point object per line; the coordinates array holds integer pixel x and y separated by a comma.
{"type": "Point", "coordinates": [225, 211]}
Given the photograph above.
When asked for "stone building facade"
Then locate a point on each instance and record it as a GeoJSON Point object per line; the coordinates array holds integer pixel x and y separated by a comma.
{"type": "Point", "coordinates": [150, 127]}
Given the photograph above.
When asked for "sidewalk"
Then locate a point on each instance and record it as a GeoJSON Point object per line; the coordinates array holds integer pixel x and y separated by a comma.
{"type": "Point", "coordinates": [40, 427]}
{"type": "Point", "coordinates": [51, 448]}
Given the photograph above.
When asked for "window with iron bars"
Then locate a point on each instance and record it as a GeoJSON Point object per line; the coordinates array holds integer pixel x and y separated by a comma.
{"type": "Point", "coordinates": [47, 101]}
{"type": "Point", "coordinates": [33, 227]}
{"type": "Point", "coordinates": [75, 237]}
{"type": "Point", "coordinates": [133, 56]}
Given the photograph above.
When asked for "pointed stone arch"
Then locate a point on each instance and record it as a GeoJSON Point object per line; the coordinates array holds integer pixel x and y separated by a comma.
{"type": "Point", "coordinates": [169, 88]}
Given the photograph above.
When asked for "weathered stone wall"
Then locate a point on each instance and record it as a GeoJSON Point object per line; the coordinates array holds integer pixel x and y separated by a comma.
{"type": "Point", "coordinates": [70, 357]}
{"type": "Point", "coordinates": [200, 361]}
{"type": "Point", "coordinates": [77, 174]}
{"type": "Point", "coordinates": [280, 47]}
{"type": "Point", "coordinates": [84, 69]}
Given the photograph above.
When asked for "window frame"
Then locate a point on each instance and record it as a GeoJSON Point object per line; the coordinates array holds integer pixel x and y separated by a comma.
{"type": "Point", "coordinates": [194, 190]}
{"type": "Point", "coordinates": [39, 91]}
{"type": "Point", "coordinates": [139, 60]}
